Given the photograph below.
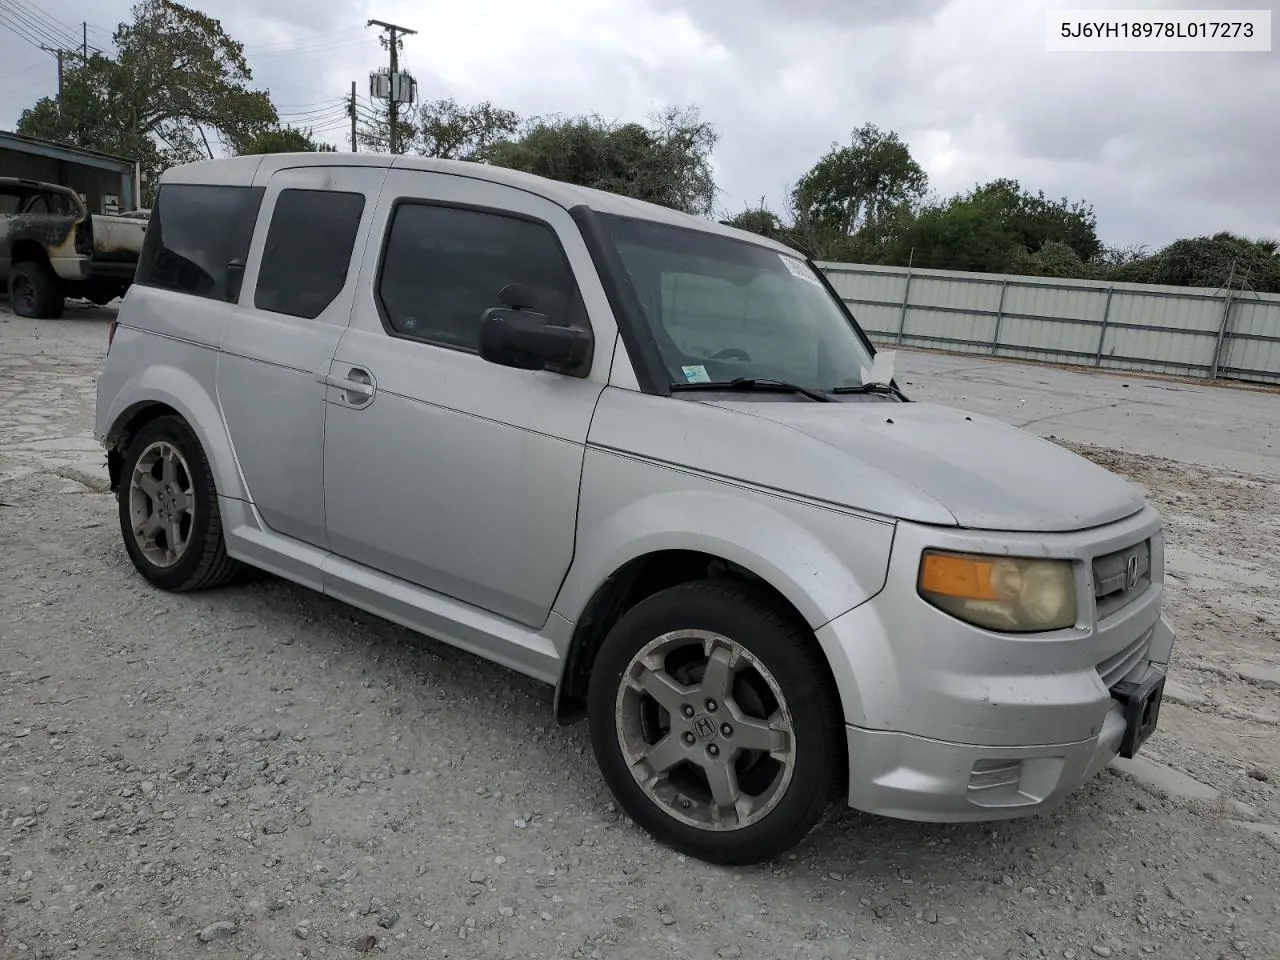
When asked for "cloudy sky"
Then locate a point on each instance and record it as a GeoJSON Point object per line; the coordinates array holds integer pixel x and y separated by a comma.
{"type": "Point", "coordinates": [1162, 144]}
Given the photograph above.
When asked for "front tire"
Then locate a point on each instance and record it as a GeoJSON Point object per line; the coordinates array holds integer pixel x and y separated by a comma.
{"type": "Point", "coordinates": [715, 722]}
{"type": "Point", "coordinates": [169, 515]}
{"type": "Point", "coordinates": [35, 292]}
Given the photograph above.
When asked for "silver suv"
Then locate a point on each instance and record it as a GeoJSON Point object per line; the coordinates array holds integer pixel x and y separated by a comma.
{"type": "Point", "coordinates": [580, 435]}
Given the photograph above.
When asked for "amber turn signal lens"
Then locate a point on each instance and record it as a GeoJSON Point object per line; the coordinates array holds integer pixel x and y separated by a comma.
{"type": "Point", "coordinates": [955, 575]}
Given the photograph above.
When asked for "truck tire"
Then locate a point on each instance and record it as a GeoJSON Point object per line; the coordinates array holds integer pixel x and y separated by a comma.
{"type": "Point", "coordinates": [35, 292]}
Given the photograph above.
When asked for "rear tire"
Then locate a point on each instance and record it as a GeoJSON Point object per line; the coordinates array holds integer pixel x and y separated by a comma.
{"type": "Point", "coordinates": [169, 517]}
{"type": "Point", "coordinates": [35, 292]}
{"type": "Point", "coordinates": [715, 722]}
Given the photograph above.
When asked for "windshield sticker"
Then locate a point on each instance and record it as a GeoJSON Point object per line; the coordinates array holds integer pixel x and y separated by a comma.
{"type": "Point", "coordinates": [798, 269]}
{"type": "Point", "coordinates": [696, 373]}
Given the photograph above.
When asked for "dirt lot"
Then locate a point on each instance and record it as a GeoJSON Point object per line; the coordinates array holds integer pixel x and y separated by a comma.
{"type": "Point", "coordinates": [281, 776]}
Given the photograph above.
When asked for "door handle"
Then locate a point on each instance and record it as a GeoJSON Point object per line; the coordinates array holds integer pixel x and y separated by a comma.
{"type": "Point", "coordinates": [358, 382]}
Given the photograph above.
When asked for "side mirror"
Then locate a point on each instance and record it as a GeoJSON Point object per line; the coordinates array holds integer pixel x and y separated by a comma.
{"type": "Point", "coordinates": [235, 280]}
{"type": "Point", "coordinates": [527, 340]}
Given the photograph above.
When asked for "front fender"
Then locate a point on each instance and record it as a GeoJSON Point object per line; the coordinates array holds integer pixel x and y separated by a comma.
{"type": "Point", "coordinates": [185, 383]}
{"type": "Point", "coordinates": [824, 561]}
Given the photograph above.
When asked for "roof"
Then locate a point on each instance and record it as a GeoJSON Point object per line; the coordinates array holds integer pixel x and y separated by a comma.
{"type": "Point", "coordinates": [247, 170]}
{"type": "Point", "coordinates": [63, 151]}
{"type": "Point", "coordinates": [35, 185]}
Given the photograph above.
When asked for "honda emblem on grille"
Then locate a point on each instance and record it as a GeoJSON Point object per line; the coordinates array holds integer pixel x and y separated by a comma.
{"type": "Point", "coordinates": [1131, 572]}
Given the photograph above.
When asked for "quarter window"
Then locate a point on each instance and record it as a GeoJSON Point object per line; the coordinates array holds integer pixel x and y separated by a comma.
{"type": "Point", "coordinates": [194, 233]}
{"type": "Point", "coordinates": [308, 251]}
{"type": "Point", "coordinates": [444, 267]}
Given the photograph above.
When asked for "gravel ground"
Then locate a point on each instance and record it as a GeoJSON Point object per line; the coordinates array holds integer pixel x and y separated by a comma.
{"type": "Point", "coordinates": [262, 772]}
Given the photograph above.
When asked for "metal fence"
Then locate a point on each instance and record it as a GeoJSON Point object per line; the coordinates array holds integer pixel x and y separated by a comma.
{"type": "Point", "coordinates": [1187, 331]}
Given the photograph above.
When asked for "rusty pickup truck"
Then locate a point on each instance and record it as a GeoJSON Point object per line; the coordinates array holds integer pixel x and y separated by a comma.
{"type": "Point", "coordinates": [52, 249]}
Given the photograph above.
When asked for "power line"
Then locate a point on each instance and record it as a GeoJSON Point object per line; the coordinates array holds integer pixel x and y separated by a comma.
{"type": "Point", "coordinates": [26, 69]}
{"type": "Point", "coordinates": [38, 20]}
{"type": "Point", "coordinates": [304, 107]}
{"type": "Point", "coordinates": [337, 113]}
{"type": "Point", "coordinates": [320, 110]}
{"type": "Point", "coordinates": [305, 50]}
{"type": "Point", "coordinates": [51, 30]}
{"type": "Point", "coordinates": [54, 22]}
{"type": "Point", "coordinates": [18, 93]}
{"type": "Point", "coordinates": [350, 33]}
{"type": "Point", "coordinates": [27, 27]}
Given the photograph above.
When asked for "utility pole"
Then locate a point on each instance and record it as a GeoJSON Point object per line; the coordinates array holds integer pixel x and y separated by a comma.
{"type": "Point", "coordinates": [60, 54]}
{"type": "Point", "coordinates": [84, 42]}
{"type": "Point", "coordinates": [394, 34]}
{"type": "Point", "coordinates": [352, 110]}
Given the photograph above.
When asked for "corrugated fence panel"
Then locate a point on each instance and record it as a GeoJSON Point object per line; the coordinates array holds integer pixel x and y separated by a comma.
{"type": "Point", "coordinates": [1051, 323]}
{"type": "Point", "coordinates": [1123, 326]}
{"type": "Point", "coordinates": [942, 311]}
{"type": "Point", "coordinates": [1253, 352]}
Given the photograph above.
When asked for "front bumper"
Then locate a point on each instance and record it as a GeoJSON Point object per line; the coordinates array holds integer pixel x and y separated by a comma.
{"type": "Point", "coordinates": [950, 722]}
{"type": "Point", "coordinates": [914, 778]}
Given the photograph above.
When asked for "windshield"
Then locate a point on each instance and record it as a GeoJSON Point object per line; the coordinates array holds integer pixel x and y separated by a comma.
{"type": "Point", "coordinates": [723, 309]}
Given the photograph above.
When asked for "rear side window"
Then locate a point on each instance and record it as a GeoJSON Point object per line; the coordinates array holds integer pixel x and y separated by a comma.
{"type": "Point", "coordinates": [58, 203]}
{"type": "Point", "coordinates": [308, 251]}
{"type": "Point", "coordinates": [444, 267]}
{"type": "Point", "coordinates": [195, 231]}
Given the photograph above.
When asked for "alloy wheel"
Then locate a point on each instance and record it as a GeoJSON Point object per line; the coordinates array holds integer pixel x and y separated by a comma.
{"type": "Point", "coordinates": [162, 503]}
{"type": "Point", "coordinates": [705, 730]}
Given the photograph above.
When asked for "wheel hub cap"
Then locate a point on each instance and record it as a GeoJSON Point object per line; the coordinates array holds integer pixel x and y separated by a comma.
{"type": "Point", "coordinates": [162, 504]}
{"type": "Point", "coordinates": [705, 730]}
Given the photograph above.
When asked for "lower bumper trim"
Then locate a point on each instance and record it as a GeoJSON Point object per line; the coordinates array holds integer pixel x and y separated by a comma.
{"type": "Point", "coordinates": [914, 778]}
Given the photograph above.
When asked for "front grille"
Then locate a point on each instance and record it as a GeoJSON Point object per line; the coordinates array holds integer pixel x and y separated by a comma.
{"type": "Point", "coordinates": [1121, 577]}
{"type": "Point", "coordinates": [1119, 665]}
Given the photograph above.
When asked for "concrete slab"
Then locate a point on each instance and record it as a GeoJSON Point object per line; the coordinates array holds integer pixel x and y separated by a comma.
{"type": "Point", "coordinates": [1166, 780]}
{"type": "Point", "coordinates": [1268, 830]}
{"type": "Point", "coordinates": [1236, 428]}
{"type": "Point", "coordinates": [1175, 692]}
{"type": "Point", "coordinates": [1264, 675]}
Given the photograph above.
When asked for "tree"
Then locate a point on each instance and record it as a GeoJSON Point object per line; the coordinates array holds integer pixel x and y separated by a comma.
{"type": "Point", "coordinates": [993, 228]}
{"type": "Point", "coordinates": [176, 75]}
{"type": "Point", "coordinates": [953, 235]}
{"type": "Point", "coordinates": [443, 128]}
{"type": "Point", "coordinates": [285, 140]}
{"type": "Point", "coordinates": [1033, 220]}
{"type": "Point", "coordinates": [1053, 259]}
{"type": "Point", "coordinates": [759, 220]}
{"type": "Point", "coordinates": [1217, 261]}
{"type": "Point", "coordinates": [864, 187]}
{"type": "Point", "coordinates": [667, 162]}
{"type": "Point", "coordinates": [88, 116]}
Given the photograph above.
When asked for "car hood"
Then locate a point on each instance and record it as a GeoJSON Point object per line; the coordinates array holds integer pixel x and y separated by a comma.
{"type": "Point", "coordinates": [987, 474]}
{"type": "Point", "coordinates": [911, 461]}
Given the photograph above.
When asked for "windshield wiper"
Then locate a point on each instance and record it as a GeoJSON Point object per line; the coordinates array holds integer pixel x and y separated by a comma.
{"type": "Point", "coordinates": [874, 386]}
{"type": "Point", "coordinates": [754, 383]}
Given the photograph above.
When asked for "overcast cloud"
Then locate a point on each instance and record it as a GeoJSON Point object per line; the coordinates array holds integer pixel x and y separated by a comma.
{"type": "Point", "coordinates": [1163, 145]}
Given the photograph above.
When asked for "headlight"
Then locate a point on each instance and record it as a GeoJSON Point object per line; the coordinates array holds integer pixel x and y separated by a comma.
{"type": "Point", "coordinates": [1008, 594]}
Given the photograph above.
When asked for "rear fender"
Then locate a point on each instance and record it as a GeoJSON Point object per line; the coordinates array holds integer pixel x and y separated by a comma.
{"type": "Point", "coordinates": [184, 393]}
